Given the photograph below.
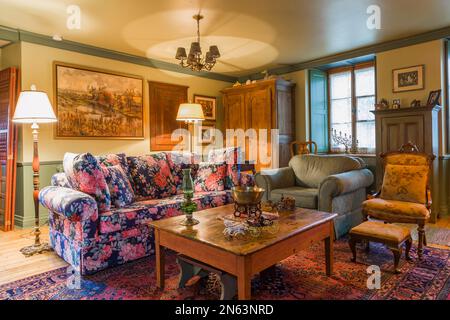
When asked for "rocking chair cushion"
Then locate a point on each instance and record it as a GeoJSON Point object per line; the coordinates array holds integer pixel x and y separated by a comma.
{"type": "Point", "coordinates": [380, 208]}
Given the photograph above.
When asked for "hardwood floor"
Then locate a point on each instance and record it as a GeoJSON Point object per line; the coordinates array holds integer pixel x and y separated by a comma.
{"type": "Point", "coordinates": [14, 266]}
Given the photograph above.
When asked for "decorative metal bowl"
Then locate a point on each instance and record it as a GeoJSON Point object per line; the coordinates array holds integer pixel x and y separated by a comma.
{"type": "Point", "coordinates": [247, 195]}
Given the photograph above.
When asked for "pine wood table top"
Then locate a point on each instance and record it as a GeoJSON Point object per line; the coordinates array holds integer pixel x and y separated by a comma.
{"type": "Point", "coordinates": [210, 229]}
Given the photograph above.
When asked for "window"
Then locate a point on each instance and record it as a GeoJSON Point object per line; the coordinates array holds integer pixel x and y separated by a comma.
{"type": "Point", "coordinates": [352, 97]}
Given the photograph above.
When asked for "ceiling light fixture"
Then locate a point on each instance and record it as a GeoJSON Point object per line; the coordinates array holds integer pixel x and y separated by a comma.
{"type": "Point", "coordinates": [195, 60]}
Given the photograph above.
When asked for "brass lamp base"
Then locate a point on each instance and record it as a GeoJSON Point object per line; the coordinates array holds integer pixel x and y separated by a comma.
{"type": "Point", "coordinates": [189, 222]}
{"type": "Point", "coordinates": [36, 249]}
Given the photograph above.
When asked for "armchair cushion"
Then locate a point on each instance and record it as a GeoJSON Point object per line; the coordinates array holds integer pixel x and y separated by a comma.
{"type": "Point", "coordinates": [60, 180]}
{"type": "Point", "coordinates": [85, 175]}
{"type": "Point", "coordinates": [405, 183]}
{"type": "Point", "coordinates": [304, 197]}
{"type": "Point", "coordinates": [380, 209]}
{"type": "Point", "coordinates": [311, 170]}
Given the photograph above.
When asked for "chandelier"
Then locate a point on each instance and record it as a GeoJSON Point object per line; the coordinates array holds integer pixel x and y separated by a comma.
{"type": "Point", "coordinates": [195, 60]}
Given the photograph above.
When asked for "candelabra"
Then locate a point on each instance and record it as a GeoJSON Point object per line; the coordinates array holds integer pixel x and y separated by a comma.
{"type": "Point", "coordinates": [346, 141]}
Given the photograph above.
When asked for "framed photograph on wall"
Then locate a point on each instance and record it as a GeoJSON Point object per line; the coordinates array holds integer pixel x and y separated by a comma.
{"type": "Point", "coordinates": [408, 79]}
{"type": "Point", "coordinates": [207, 133]}
{"type": "Point", "coordinates": [97, 104]}
{"type": "Point", "coordinates": [208, 104]}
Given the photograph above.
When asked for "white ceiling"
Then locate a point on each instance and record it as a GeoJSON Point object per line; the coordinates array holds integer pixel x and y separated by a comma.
{"type": "Point", "coordinates": [251, 34]}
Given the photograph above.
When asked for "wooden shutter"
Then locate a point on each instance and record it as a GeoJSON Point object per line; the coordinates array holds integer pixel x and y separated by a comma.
{"type": "Point", "coordinates": [8, 147]}
{"type": "Point", "coordinates": [318, 94]}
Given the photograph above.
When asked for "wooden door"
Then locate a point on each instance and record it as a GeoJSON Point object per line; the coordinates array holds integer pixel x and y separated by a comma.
{"type": "Point", "coordinates": [235, 114]}
{"type": "Point", "coordinates": [260, 108]}
{"type": "Point", "coordinates": [8, 147]}
{"type": "Point", "coordinates": [164, 100]}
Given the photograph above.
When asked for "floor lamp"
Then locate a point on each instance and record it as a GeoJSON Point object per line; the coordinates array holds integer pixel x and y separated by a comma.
{"type": "Point", "coordinates": [191, 113]}
{"type": "Point", "coordinates": [34, 107]}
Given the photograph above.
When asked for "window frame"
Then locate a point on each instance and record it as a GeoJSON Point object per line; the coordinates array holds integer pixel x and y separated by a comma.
{"type": "Point", "coordinates": [354, 100]}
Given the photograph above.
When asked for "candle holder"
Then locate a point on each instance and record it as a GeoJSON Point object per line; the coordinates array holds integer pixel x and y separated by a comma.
{"type": "Point", "coordinates": [346, 141]}
{"type": "Point", "coordinates": [188, 206]}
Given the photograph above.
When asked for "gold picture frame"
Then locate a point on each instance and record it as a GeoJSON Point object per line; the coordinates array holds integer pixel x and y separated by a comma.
{"type": "Point", "coordinates": [209, 105]}
{"type": "Point", "coordinates": [97, 104]}
{"type": "Point", "coordinates": [408, 79]}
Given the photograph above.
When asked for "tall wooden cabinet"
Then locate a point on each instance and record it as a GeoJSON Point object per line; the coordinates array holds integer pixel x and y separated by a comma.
{"type": "Point", "coordinates": [419, 125]}
{"type": "Point", "coordinates": [267, 104]}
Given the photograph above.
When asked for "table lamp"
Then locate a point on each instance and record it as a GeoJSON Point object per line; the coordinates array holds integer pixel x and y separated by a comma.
{"type": "Point", "coordinates": [191, 113]}
{"type": "Point", "coordinates": [34, 107]}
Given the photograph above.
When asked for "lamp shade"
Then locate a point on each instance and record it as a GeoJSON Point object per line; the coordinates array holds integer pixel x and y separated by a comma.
{"type": "Point", "coordinates": [34, 107]}
{"type": "Point", "coordinates": [190, 112]}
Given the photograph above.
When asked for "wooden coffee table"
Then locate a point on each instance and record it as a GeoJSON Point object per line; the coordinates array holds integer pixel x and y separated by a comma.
{"type": "Point", "coordinates": [206, 243]}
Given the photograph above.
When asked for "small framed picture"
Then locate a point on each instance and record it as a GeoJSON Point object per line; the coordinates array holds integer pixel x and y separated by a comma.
{"type": "Point", "coordinates": [408, 79]}
{"type": "Point", "coordinates": [208, 105]}
{"type": "Point", "coordinates": [207, 134]}
{"type": "Point", "coordinates": [396, 104]}
{"type": "Point", "coordinates": [415, 103]}
{"type": "Point", "coordinates": [433, 98]}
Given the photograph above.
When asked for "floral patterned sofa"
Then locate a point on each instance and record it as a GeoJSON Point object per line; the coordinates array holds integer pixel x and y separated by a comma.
{"type": "Point", "coordinates": [99, 207]}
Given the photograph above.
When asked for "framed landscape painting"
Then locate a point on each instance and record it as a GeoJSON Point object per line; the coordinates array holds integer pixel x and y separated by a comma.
{"type": "Point", "coordinates": [408, 79]}
{"type": "Point", "coordinates": [208, 105]}
{"type": "Point", "coordinates": [97, 104]}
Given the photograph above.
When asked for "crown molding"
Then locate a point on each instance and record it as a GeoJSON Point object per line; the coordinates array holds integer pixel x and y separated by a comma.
{"type": "Point", "coordinates": [26, 36]}
{"type": "Point", "coordinates": [364, 51]}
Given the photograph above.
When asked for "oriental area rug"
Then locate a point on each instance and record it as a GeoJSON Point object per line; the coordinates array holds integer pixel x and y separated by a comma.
{"type": "Point", "coordinates": [300, 277]}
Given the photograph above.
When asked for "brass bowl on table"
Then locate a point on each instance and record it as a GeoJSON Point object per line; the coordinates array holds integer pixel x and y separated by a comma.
{"type": "Point", "coordinates": [247, 195]}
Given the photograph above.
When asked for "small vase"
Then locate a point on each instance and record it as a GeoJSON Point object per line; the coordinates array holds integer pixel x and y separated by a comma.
{"type": "Point", "coordinates": [188, 206]}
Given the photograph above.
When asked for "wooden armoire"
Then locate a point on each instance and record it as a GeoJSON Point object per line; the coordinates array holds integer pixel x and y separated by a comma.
{"type": "Point", "coordinates": [419, 125]}
{"type": "Point", "coordinates": [266, 104]}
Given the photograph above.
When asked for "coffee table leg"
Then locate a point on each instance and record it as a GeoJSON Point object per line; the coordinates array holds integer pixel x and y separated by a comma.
{"type": "Point", "coordinates": [244, 279]}
{"type": "Point", "coordinates": [160, 257]}
{"type": "Point", "coordinates": [329, 252]}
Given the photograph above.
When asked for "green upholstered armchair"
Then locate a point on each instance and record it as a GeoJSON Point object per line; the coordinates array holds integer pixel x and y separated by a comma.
{"type": "Point", "coordinates": [330, 183]}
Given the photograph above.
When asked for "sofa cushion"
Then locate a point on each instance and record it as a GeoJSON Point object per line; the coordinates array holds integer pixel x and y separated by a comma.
{"type": "Point", "coordinates": [405, 183]}
{"type": "Point", "coordinates": [311, 170]}
{"type": "Point", "coordinates": [304, 197]}
{"type": "Point", "coordinates": [114, 159]}
{"type": "Point", "coordinates": [85, 175]}
{"type": "Point", "coordinates": [151, 176]}
{"type": "Point", "coordinates": [233, 157]}
{"type": "Point", "coordinates": [179, 161]}
{"type": "Point", "coordinates": [119, 186]}
{"type": "Point", "coordinates": [210, 177]}
{"type": "Point", "coordinates": [119, 219]}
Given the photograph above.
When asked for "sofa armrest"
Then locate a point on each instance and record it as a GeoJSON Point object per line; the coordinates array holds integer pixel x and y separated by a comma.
{"type": "Point", "coordinates": [72, 204]}
{"type": "Point", "coordinates": [342, 183]}
{"type": "Point", "coordinates": [275, 179]}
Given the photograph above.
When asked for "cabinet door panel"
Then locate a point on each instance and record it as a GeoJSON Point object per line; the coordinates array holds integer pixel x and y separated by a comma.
{"type": "Point", "coordinates": [164, 102]}
{"type": "Point", "coordinates": [400, 130]}
{"type": "Point", "coordinates": [259, 110]}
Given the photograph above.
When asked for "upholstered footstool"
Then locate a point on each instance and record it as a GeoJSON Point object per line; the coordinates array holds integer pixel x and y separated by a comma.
{"type": "Point", "coordinates": [391, 235]}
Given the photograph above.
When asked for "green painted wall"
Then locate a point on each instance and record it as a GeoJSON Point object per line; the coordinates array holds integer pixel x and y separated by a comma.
{"type": "Point", "coordinates": [24, 214]}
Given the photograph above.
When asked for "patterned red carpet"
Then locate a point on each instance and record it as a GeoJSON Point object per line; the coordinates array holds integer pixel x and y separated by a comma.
{"type": "Point", "coordinates": [300, 277]}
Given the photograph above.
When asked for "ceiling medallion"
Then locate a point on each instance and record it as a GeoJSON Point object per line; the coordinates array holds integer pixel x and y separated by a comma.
{"type": "Point", "coordinates": [195, 60]}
